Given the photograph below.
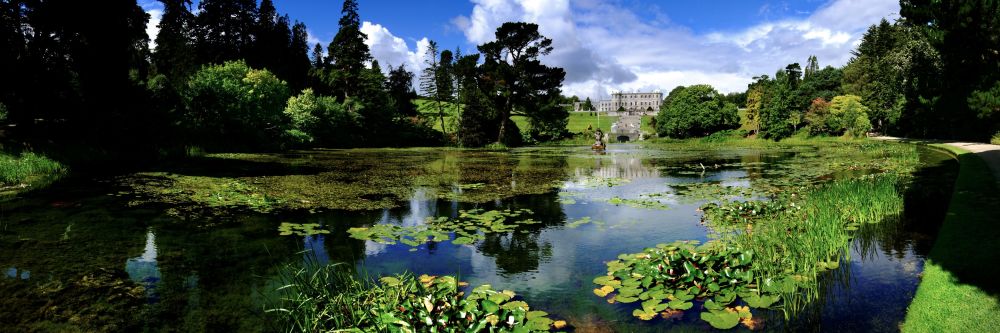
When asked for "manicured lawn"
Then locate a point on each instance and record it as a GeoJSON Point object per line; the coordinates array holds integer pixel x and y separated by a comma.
{"type": "Point", "coordinates": [961, 278]}
{"type": "Point", "coordinates": [579, 121]}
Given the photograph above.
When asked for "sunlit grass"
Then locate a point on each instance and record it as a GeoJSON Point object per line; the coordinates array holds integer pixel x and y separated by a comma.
{"type": "Point", "coordinates": [27, 168]}
{"type": "Point", "coordinates": [958, 290]}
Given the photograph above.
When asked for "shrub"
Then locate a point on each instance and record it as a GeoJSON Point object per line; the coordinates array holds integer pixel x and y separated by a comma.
{"type": "Point", "coordinates": [233, 104]}
{"type": "Point", "coordinates": [848, 116]}
{"type": "Point", "coordinates": [697, 110]}
{"type": "Point", "coordinates": [996, 139]}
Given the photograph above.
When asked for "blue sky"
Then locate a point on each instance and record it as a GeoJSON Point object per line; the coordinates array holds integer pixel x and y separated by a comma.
{"type": "Point", "coordinates": [609, 45]}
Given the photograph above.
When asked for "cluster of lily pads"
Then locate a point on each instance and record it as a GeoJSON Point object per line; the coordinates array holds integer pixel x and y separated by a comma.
{"type": "Point", "coordinates": [468, 227]}
{"type": "Point", "coordinates": [744, 212]}
{"type": "Point", "coordinates": [304, 229]}
{"type": "Point", "coordinates": [435, 304]}
{"type": "Point", "coordinates": [667, 279]}
{"type": "Point", "coordinates": [639, 203]}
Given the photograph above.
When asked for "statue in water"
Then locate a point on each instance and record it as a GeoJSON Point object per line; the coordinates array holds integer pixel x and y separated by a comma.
{"type": "Point", "coordinates": [600, 138]}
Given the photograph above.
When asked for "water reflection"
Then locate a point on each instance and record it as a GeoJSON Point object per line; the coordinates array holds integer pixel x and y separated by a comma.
{"type": "Point", "coordinates": [143, 269]}
{"type": "Point", "coordinates": [14, 273]}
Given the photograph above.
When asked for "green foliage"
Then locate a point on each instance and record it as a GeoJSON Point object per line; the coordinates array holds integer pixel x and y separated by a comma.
{"type": "Point", "coordinates": [234, 104]}
{"type": "Point", "coordinates": [697, 110]}
{"type": "Point", "coordinates": [996, 139]}
{"type": "Point", "coordinates": [817, 117]}
{"type": "Point", "coordinates": [520, 83]}
{"type": "Point", "coordinates": [669, 276]}
{"type": "Point", "coordinates": [848, 116]}
{"type": "Point", "coordinates": [470, 226]}
{"type": "Point", "coordinates": [332, 298]}
{"type": "Point", "coordinates": [3, 112]}
{"type": "Point", "coordinates": [321, 119]}
{"type": "Point", "coordinates": [28, 168]}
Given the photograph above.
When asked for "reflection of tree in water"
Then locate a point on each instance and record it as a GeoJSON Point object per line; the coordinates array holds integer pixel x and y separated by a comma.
{"type": "Point", "coordinates": [522, 250]}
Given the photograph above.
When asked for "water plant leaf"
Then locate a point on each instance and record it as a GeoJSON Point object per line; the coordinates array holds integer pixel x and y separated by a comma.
{"type": "Point", "coordinates": [603, 291]}
{"type": "Point", "coordinates": [721, 319]}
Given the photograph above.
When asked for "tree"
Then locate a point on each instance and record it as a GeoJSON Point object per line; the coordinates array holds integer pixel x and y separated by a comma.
{"type": "Point", "coordinates": [588, 105]}
{"type": "Point", "coordinates": [777, 104]}
{"type": "Point", "coordinates": [400, 87]}
{"type": "Point", "coordinates": [297, 57]}
{"type": "Point", "coordinates": [849, 116]}
{"type": "Point", "coordinates": [430, 80]}
{"type": "Point", "coordinates": [696, 110]}
{"type": "Point", "coordinates": [225, 30]}
{"type": "Point", "coordinates": [477, 117]}
{"type": "Point", "coordinates": [965, 34]}
{"type": "Point", "coordinates": [521, 81]}
{"type": "Point", "coordinates": [233, 105]}
{"type": "Point", "coordinates": [812, 66]}
{"type": "Point", "coordinates": [174, 55]}
{"type": "Point", "coordinates": [348, 53]}
{"type": "Point", "coordinates": [755, 101]}
{"type": "Point", "coordinates": [817, 116]}
{"type": "Point", "coordinates": [320, 119]}
{"type": "Point", "coordinates": [317, 57]}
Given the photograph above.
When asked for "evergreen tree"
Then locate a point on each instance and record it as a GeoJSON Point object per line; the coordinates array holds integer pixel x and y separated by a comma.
{"type": "Point", "coordinates": [317, 57]}
{"type": "Point", "coordinates": [297, 57]}
{"type": "Point", "coordinates": [225, 30]}
{"type": "Point", "coordinates": [174, 54]}
{"type": "Point", "coordinates": [430, 79]}
{"type": "Point", "coordinates": [348, 53]}
{"type": "Point", "coordinates": [400, 88]}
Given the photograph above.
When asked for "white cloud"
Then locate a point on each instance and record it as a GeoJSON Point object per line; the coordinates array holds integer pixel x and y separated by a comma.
{"type": "Point", "coordinates": [393, 51]}
{"type": "Point", "coordinates": [605, 47]}
{"type": "Point", "coordinates": [155, 11]}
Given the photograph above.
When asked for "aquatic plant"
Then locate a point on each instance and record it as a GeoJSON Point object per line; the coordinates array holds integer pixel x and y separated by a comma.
{"type": "Point", "coordinates": [333, 298]}
{"type": "Point", "coordinates": [307, 229]}
{"type": "Point", "coordinates": [639, 203]}
{"type": "Point", "coordinates": [468, 227]}
{"type": "Point", "coordinates": [670, 276]}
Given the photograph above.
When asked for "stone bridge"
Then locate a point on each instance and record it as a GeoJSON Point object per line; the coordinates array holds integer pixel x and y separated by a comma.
{"type": "Point", "coordinates": [626, 129]}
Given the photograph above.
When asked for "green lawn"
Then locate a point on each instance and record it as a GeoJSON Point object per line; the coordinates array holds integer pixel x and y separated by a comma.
{"type": "Point", "coordinates": [578, 121]}
{"type": "Point", "coordinates": [961, 278]}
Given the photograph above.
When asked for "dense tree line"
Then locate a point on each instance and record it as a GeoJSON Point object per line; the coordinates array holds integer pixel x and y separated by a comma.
{"type": "Point", "coordinates": [238, 75]}
{"type": "Point", "coordinates": [934, 73]}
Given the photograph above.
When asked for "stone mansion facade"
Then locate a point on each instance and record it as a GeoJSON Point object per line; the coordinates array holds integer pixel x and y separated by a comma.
{"type": "Point", "coordinates": [635, 103]}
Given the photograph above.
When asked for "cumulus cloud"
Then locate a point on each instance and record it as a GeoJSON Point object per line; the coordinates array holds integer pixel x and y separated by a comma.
{"type": "Point", "coordinates": [155, 11]}
{"type": "Point", "coordinates": [605, 47]}
{"type": "Point", "coordinates": [393, 51]}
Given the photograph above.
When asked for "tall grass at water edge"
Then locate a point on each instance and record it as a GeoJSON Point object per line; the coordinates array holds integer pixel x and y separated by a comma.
{"type": "Point", "coordinates": [815, 231]}
{"type": "Point", "coordinates": [315, 298]}
{"type": "Point", "coordinates": [26, 168]}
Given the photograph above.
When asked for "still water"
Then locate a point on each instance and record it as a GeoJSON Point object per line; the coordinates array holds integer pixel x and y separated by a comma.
{"type": "Point", "coordinates": [77, 257]}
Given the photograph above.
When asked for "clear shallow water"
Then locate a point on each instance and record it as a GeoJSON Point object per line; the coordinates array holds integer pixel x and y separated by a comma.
{"type": "Point", "coordinates": [63, 250]}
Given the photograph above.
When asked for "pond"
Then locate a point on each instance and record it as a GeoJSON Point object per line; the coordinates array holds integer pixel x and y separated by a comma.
{"type": "Point", "coordinates": [197, 245]}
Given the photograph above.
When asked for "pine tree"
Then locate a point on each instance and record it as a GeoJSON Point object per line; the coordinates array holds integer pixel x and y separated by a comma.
{"type": "Point", "coordinates": [174, 56]}
{"type": "Point", "coordinates": [347, 52]}
{"type": "Point", "coordinates": [429, 80]}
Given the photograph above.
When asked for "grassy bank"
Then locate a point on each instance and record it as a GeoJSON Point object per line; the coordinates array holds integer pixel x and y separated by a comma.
{"type": "Point", "coordinates": [961, 279]}
{"type": "Point", "coordinates": [322, 298]}
{"type": "Point", "coordinates": [27, 170]}
{"type": "Point", "coordinates": [776, 249]}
